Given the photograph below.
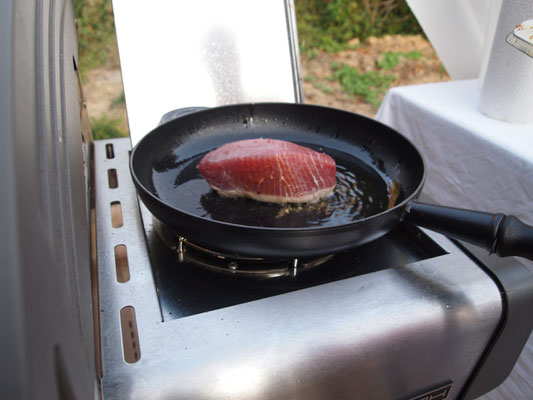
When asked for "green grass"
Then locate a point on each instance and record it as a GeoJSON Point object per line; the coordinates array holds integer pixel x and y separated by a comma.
{"type": "Point", "coordinates": [119, 101]}
{"type": "Point", "coordinates": [391, 59]}
{"type": "Point", "coordinates": [97, 48]}
{"type": "Point", "coordinates": [326, 25]}
{"type": "Point", "coordinates": [370, 86]}
{"type": "Point", "coordinates": [323, 87]}
{"type": "Point", "coordinates": [413, 55]}
{"type": "Point", "coordinates": [96, 32]}
{"type": "Point", "coordinates": [313, 79]}
{"type": "Point", "coordinates": [106, 128]}
{"type": "Point", "coordinates": [329, 25]}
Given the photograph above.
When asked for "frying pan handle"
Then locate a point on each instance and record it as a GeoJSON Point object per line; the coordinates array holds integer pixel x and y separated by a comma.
{"type": "Point", "coordinates": [179, 112]}
{"type": "Point", "coordinates": [498, 233]}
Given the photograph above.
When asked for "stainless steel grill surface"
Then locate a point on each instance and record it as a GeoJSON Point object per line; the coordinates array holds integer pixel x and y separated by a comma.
{"type": "Point", "coordinates": [407, 314]}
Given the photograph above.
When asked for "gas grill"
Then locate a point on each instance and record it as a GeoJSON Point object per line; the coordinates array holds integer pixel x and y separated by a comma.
{"type": "Point", "coordinates": [409, 315]}
{"type": "Point", "coordinates": [412, 315]}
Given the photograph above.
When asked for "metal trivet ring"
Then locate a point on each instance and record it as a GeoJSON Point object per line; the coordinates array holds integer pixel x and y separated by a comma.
{"type": "Point", "coordinates": [244, 266]}
{"type": "Point", "coordinates": [200, 256]}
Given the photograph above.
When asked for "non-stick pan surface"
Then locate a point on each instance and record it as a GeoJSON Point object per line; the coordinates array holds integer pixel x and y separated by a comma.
{"type": "Point", "coordinates": [378, 173]}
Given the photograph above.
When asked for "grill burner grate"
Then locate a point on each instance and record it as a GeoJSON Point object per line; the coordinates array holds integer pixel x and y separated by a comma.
{"type": "Point", "coordinates": [409, 292]}
{"type": "Point", "coordinates": [184, 289]}
{"type": "Point", "coordinates": [194, 254]}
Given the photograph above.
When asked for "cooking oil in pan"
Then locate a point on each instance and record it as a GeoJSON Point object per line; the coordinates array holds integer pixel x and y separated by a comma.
{"type": "Point", "coordinates": [360, 192]}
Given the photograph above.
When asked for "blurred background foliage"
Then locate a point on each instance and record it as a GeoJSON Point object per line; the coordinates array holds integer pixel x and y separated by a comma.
{"type": "Point", "coordinates": [97, 47]}
{"type": "Point", "coordinates": [326, 25]}
{"type": "Point", "coordinates": [329, 25]}
{"type": "Point", "coordinates": [96, 32]}
{"type": "Point", "coordinates": [323, 25]}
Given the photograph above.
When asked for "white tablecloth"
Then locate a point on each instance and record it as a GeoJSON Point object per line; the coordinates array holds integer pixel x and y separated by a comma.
{"type": "Point", "coordinates": [473, 161]}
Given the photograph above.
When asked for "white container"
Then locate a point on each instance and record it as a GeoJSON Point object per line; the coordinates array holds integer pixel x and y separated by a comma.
{"type": "Point", "coordinates": [507, 91]}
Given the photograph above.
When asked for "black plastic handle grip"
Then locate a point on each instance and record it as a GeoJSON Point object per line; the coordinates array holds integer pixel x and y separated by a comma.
{"type": "Point", "coordinates": [498, 233]}
{"type": "Point", "coordinates": [514, 238]}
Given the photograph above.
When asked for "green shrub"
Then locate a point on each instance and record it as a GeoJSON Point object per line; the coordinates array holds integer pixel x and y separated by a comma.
{"type": "Point", "coordinates": [413, 55]}
{"type": "Point", "coordinates": [119, 101]}
{"type": "Point", "coordinates": [106, 128]}
{"type": "Point", "coordinates": [370, 86]}
{"type": "Point", "coordinates": [326, 25]}
{"type": "Point", "coordinates": [96, 32]}
{"type": "Point", "coordinates": [329, 24]}
{"type": "Point", "coordinates": [390, 59]}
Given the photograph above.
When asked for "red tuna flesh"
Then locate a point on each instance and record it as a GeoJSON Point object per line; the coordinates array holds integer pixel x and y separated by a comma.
{"type": "Point", "coordinates": [269, 170]}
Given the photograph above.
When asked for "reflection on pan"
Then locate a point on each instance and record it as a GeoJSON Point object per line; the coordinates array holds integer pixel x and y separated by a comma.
{"type": "Point", "coordinates": [360, 192]}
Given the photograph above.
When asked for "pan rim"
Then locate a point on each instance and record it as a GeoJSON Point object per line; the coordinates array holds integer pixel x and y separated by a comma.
{"type": "Point", "coordinates": [403, 204]}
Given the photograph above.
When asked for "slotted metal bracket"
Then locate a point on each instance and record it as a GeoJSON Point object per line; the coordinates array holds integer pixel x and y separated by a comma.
{"type": "Point", "coordinates": [119, 225]}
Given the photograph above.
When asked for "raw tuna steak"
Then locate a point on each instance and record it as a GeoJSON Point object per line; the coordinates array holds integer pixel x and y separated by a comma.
{"type": "Point", "coordinates": [269, 170]}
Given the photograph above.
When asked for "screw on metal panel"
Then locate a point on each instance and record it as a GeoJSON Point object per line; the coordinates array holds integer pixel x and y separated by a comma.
{"type": "Point", "coordinates": [294, 267]}
{"type": "Point", "coordinates": [130, 336]}
{"type": "Point", "coordinates": [181, 249]}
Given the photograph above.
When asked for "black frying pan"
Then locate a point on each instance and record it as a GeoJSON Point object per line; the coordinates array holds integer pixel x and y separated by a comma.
{"type": "Point", "coordinates": [379, 176]}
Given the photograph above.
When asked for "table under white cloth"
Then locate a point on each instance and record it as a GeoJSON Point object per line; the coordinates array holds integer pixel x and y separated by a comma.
{"type": "Point", "coordinates": [473, 161]}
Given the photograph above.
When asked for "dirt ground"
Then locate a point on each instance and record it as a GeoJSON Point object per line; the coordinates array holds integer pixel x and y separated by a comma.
{"type": "Point", "coordinates": [103, 86]}
{"type": "Point", "coordinates": [425, 69]}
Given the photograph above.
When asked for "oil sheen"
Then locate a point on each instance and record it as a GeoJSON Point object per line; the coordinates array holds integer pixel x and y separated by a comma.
{"type": "Point", "coordinates": [360, 192]}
